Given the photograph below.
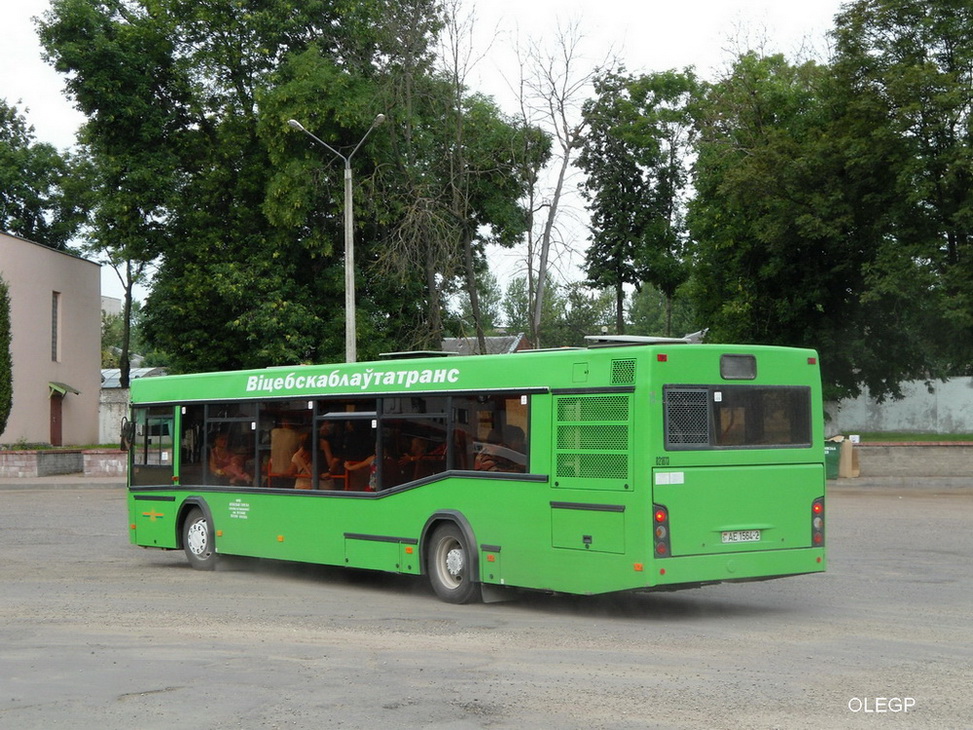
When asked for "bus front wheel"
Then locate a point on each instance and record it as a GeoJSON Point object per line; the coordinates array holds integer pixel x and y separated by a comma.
{"type": "Point", "coordinates": [448, 562]}
{"type": "Point", "coordinates": [197, 540]}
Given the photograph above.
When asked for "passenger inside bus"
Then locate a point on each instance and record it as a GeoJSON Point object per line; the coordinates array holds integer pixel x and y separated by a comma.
{"type": "Point", "coordinates": [506, 453]}
{"type": "Point", "coordinates": [225, 463]}
{"type": "Point", "coordinates": [361, 474]}
{"type": "Point", "coordinates": [301, 464]}
{"type": "Point", "coordinates": [284, 442]}
{"type": "Point", "coordinates": [411, 462]}
{"type": "Point", "coordinates": [330, 447]}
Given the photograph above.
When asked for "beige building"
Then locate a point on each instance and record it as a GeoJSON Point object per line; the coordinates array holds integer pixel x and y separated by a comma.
{"type": "Point", "coordinates": [55, 323]}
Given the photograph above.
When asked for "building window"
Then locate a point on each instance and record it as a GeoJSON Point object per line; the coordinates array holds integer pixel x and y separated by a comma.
{"type": "Point", "coordinates": [55, 330]}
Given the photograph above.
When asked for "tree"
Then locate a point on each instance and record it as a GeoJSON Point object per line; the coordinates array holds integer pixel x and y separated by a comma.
{"type": "Point", "coordinates": [183, 125]}
{"type": "Point", "coordinates": [444, 175]}
{"type": "Point", "coordinates": [571, 311]}
{"type": "Point", "coordinates": [123, 74]}
{"type": "Point", "coordinates": [490, 297]}
{"type": "Point", "coordinates": [460, 178]}
{"type": "Point", "coordinates": [636, 156]}
{"type": "Point", "coordinates": [788, 223]}
{"type": "Point", "coordinates": [653, 313]}
{"type": "Point", "coordinates": [6, 363]}
{"type": "Point", "coordinates": [113, 337]}
{"type": "Point", "coordinates": [904, 108]}
{"type": "Point", "coordinates": [549, 88]}
{"type": "Point", "coordinates": [33, 203]}
{"type": "Point", "coordinates": [770, 217]}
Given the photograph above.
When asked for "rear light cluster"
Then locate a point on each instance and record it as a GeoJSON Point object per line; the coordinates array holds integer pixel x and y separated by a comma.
{"type": "Point", "coordinates": [660, 531]}
{"type": "Point", "coordinates": [817, 522]}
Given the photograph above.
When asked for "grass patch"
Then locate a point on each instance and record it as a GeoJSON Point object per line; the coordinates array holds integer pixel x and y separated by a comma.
{"type": "Point", "coordinates": [907, 436]}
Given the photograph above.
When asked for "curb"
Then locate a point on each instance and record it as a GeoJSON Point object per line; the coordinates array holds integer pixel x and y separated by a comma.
{"type": "Point", "coordinates": [65, 481]}
{"type": "Point", "coordinates": [911, 482]}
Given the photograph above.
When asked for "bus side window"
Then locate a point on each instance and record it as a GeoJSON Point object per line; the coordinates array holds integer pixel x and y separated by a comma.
{"type": "Point", "coordinates": [500, 433]}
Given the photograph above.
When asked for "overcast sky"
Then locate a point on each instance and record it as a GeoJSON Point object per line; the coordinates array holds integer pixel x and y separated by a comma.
{"type": "Point", "coordinates": [646, 35]}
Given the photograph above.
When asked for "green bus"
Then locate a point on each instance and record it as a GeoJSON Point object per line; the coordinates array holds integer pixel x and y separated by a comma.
{"type": "Point", "coordinates": [632, 464]}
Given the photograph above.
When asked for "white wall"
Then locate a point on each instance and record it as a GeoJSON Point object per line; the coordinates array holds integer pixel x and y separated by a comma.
{"type": "Point", "coordinates": [947, 409]}
{"type": "Point", "coordinates": [114, 407]}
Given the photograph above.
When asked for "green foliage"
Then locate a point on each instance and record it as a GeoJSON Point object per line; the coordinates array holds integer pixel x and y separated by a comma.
{"type": "Point", "coordinates": [904, 71]}
{"type": "Point", "coordinates": [569, 312]}
{"type": "Point", "coordinates": [113, 338]}
{"type": "Point", "coordinates": [6, 364]}
{"type": "Point", "coordinates": [33, 203]}
{"type": "Point", "coordinates": [192, 164]}
{"type": "Point", "coordinates": [460, 323]}
{"type": "Point", "coordinates": [773, 219]}
{"type": "Point", "coordinates": [636, 159]}
{"type": "Point", "coordinates": [832, 203]}
{"type": "Point", "coordinates": [653, 313]}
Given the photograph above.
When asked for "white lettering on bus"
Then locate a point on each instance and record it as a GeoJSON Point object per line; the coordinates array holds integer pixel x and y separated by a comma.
{"type": "Point", "coordinates": [362, 381]}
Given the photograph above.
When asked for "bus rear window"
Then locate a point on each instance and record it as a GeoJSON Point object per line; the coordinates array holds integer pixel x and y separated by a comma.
{"type": "Point", "coordinates": [737, 416]}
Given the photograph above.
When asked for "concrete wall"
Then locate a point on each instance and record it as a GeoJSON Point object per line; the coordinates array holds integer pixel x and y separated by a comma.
{"type": "Point", "coordinates": [939, 408]}
{"type": "Point", "coordinates": [33, 273]}
{"type": "Point", "coordinates": [916, 460]}
{"type": "Point", "coordinates": [90, 462]}
{"type": "Point", "coordinates": [114, 407]}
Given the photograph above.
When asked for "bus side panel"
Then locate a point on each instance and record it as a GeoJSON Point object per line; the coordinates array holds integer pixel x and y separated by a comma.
{"type": "Point", "coordinates": [154, 519]}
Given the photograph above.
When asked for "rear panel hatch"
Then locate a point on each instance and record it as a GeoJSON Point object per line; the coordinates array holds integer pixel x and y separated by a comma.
{"type": "Point", "coordinates": [728, 509]}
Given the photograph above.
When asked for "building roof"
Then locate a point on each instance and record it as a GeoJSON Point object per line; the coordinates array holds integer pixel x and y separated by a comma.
{"type": "Point", "coordinates": [70, 254]}
{"type": "Point", "coordinates": [111, 377]}
{"type": "Point", "coordinates": [495, 345]}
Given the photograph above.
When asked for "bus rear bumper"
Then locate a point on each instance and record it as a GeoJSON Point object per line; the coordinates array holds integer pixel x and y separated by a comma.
{"type": "Point", "coordinates": [742, 566]}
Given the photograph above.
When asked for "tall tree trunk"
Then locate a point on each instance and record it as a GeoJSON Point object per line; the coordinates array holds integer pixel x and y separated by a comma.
{"type": "Point", "coordinates": [619, 309]}
{"type": "Point", "coordinates": [124, 359]}
{"type": "Point", "coordinates": [434, 336]}
{"type": "Point", "coordinates": [546, 246]}
{"type": "Point", "coordinates": [473, 294]}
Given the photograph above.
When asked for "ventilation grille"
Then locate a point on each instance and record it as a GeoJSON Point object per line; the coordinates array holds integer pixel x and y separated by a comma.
{"type": "Point", "coordinates": [593, 408]}
{"type": "Point", "coordinates": [592, 466]}
{"type": "Point", "coordinates": [687, 417]}
{"type": "Point", "coordinates": [623, 372]}
{"type": "Point", "coordinates": [593, 437]}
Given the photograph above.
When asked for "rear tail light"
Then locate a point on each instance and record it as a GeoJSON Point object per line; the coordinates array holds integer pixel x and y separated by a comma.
{"type": "Point", "coordinates": [660, 531]}
{"type": "Point", "coordinates": [817, 522]}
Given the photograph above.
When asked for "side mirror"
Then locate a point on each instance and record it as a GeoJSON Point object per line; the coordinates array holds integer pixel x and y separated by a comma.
{"type": "Point", "coordinates": [127, 434]}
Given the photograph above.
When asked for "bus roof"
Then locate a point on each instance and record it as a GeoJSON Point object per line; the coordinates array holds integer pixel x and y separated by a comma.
{"type": "Point", "coordinates": [527, 371]}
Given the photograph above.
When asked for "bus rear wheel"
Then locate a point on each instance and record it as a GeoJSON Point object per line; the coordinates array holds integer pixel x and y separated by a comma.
{"type": "Point", "coordinates": [197, 540]}
{"type": "Point", "coordinates": [448, 562]}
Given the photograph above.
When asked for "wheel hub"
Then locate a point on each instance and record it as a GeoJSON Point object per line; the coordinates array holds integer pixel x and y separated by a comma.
{"type": "Point", "coordinates": [455, 561]}
{"type": "Point", "coordinates": [197, 538]}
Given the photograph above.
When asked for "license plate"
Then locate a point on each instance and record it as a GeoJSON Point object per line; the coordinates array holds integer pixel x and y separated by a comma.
{"type": "Point", "coordinates": [741, 536]}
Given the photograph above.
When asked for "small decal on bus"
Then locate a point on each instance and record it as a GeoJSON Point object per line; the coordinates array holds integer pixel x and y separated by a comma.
{"type": "Point", "coordinates": [670, 477]}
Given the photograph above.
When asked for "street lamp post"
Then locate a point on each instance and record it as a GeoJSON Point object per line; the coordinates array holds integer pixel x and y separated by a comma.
{"type": "Point", "coordinates": [351, 354]}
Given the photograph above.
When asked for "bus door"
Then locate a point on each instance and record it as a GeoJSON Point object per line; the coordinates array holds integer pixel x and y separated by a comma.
{"type": "Point", "coordinates": [152, 446]}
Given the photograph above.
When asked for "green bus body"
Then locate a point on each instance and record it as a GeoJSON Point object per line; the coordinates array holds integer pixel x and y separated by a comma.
{"type": "Point", "coordinates": [648, 466]}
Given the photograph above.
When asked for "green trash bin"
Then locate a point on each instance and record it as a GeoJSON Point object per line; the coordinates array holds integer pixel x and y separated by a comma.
{"type": "Point", "coordinates": [832, 458]}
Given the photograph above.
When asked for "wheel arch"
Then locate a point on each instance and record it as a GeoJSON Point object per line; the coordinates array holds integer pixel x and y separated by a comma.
{"type": "Point", "coordinates": [184, 509]}
{"type": "Point", "coordinates": [459, 519]}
